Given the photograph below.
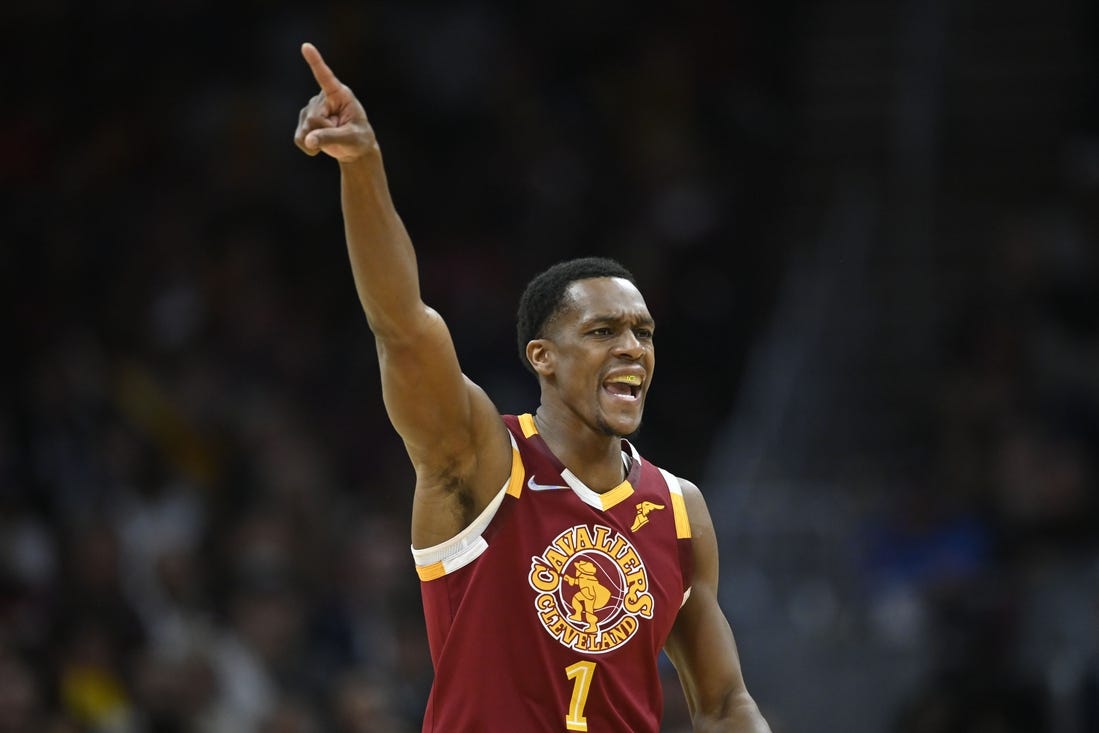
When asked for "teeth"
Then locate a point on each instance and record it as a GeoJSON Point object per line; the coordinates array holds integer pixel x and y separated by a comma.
{"type": "Point", "coordinates": [628, 379]}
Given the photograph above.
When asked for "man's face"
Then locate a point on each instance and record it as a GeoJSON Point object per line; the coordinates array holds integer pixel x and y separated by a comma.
{"type": "Point", "coordinates": [602, 355]}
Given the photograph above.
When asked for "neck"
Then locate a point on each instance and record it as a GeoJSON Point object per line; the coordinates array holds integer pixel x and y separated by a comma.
{"type": "Point", "coordinates": [593, 456]}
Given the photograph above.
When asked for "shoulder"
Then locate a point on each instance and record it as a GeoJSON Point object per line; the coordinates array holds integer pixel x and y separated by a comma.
{"type": "Point", "coordinates": [704, 550]}
{"type": "Point", "coordinates": [697, 511]}
{"type": "Point", "coordinates": [689, 488]}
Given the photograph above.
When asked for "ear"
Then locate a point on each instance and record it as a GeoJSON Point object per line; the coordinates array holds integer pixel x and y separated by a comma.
{"type": "Point", "coordinates": [541, 356]}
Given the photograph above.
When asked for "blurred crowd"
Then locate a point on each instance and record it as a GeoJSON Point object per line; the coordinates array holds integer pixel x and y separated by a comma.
{"type": "Point", "coordinates": [203, 510]}
{"type": "Point", "coordinates": [997, 525]}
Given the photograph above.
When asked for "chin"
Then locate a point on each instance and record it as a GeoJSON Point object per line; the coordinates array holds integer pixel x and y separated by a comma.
{"type": "Point", "coordinates": [620, 428]}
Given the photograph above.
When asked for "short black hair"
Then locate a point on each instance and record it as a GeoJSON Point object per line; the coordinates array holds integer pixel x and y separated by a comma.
{"type": "Point", "coordinates": [544, 295]}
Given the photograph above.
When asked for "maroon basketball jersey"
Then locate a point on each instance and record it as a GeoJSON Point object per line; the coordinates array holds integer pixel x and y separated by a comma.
{"type": "Point", "coordinates": [549, 612]}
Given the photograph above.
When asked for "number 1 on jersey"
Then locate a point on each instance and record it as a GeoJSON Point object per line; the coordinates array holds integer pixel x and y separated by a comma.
{"type": "Point", "coordinates": [581, 674]}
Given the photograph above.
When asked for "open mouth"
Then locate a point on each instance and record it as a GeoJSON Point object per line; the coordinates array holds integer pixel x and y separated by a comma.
{"type": "Point", "coordinates": [624, 386]}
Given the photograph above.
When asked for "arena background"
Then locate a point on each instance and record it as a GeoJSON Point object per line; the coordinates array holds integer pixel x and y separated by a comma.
{"type": "Point", "coordinates": [868, 232]}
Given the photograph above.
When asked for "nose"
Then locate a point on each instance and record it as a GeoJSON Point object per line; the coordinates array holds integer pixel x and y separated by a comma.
{"type": "Point", "coordinates": [629, 346]}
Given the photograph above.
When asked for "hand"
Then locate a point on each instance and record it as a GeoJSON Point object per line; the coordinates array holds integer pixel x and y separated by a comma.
{"type": "Point", "coordinates": [333, 122]}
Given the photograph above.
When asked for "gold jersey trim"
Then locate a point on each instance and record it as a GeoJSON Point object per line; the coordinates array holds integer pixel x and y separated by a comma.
{"type": "Point", "coordinates": [679, 506]}
{"type": "Point", "coordinates": [515, 482]}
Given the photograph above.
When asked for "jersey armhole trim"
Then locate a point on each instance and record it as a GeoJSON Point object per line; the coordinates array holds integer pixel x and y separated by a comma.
{"type": "Point", "coordinates": [526, 424]}
{"type": "Point", "coordinates": [679, 507]}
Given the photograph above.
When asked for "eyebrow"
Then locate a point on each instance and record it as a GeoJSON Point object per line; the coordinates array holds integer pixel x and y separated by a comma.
{"type": "Point", "coordinates": [637, 320]}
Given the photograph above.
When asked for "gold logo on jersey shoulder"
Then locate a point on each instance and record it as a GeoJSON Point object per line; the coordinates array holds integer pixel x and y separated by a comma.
{"type": "Point", "coordinates": [642, 517]}
{"type": "Point", "coordinates": [591, 587]}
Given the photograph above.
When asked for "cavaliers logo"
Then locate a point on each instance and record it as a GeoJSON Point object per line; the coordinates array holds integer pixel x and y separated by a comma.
{"type": "Point", "coordinates": [591, 586]}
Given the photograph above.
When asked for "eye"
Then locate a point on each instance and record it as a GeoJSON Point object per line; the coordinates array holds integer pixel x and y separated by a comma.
{"type": "Point", "coordinates": [601, 331]}
{"type": "Point", "coordinates": [643, 333]}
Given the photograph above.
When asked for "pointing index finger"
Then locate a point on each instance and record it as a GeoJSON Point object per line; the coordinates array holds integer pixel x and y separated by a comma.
{"type": "Point", "coordinates": [327, 80]}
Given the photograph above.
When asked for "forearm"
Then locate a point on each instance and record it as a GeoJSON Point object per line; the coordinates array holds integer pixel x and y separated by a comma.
{"type": "Point", "coordinates": [383, 261]}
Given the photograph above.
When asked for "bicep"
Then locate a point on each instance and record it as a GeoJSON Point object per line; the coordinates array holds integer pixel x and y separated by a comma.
{"type": "Point", "coordinates": [437, 411]}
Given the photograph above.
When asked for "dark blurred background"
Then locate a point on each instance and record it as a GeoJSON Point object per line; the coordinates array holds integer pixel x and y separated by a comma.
{"type": "Point", "coordinates": [868, 232]}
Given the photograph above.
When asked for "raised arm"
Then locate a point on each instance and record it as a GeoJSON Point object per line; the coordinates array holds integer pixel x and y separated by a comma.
{"type": "Point", "coordinates": [452, 431]}
{"type": "Point", "coordinates": [701, 644]}
{"type": "Point", "coordinates": [382, 259]}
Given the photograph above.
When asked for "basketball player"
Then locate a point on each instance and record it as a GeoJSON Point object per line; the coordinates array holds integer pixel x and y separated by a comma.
{"type": "Point", "coordinates": [555, 562]}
